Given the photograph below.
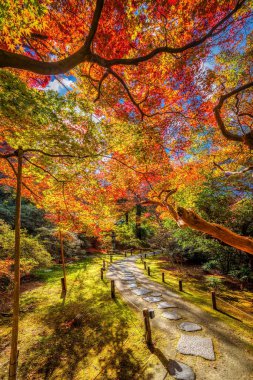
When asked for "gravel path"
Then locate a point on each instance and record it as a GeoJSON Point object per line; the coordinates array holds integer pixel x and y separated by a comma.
{"type": "Point", "coordinates": [196, 345]}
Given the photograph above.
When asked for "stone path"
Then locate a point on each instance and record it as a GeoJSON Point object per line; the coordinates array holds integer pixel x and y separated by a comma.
{"type": "Point", "coordinates": [187, 337]}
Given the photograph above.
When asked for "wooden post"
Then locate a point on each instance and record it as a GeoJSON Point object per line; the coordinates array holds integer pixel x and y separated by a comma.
{"type": "Point", "coordinates": [125, 254]}
{"type": "Point", "coordinates": [112, 289]}
{"type": "Point", "coordinates": [145, 255]}
{"type": "Point", "coordinates": [145, 264]}
{"type": "Point", "coordinates": [102, 273]}
{"type": "Point", "coordinates": [110, 258]}
{"type": "Point", "coordinates": [131, 253]}
{"type": "Point", "coordinates": [64, 281]}
{"type": "Point", "coordinates": [148, 334]}
{"type": "Point", "coordinates": [214, 300]}
{"type": "Point", "coordinates": [104, 265]}
{"type": "Point", "coordinates": [15, 322]}
{"type": "Point", "coordinates": [63, 285]}
{"type": "Point", "coordinates": [180, 282]}
{"type": "Point", "coordinates": [149, 271]}
{"type": "Point", "coordinates": [163, 278]}
{"type": "Point", "coordinates": [141, 259]}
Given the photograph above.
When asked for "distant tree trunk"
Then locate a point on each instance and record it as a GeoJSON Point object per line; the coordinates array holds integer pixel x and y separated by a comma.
{"type": "Point", "coordinates": [14, 338]}
{"type": "Point", "coordinates": [63, 261]}
{"type": "Point", "coordinates": [138, 222]}
{"type": "Point", "coordinates": [127, 217]}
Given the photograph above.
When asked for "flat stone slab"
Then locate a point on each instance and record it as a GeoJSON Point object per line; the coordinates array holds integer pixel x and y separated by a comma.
{"type": "Point", "coordinates": [156, 294]}
{"type": "Point", "coordinates": [180, 371]}
{"type": "Point", "coordinates": [141, 291]}
{"type": "Point", "coordinates": [197, 346]}
{"type": "Point", "coordinates": [152, 299]}
{"type": "Point", "coordinates": [165, 305]}
{"type": "Point", "coordinates": [132, 286]}
{"type": "Point", "coordinates": [189, 326]}
{"type": "Point", "coordinates": [171, 315]}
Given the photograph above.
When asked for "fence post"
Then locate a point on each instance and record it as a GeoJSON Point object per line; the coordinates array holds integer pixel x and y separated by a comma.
{"type": "Point", "coordinates": [125, 254]}
{"type": "Point", "coordinates": [145, 255]}
{"type": "Point", "coordinates": [149, 271]}
{"type": "Point", "coordinates": [180, 282]}
{"type": "Point", "coordinates": [131, 253]}
{"type": "Point", "coordinates": [110, 258]}
{"type": "Point", "coordinates": [148, 335]}
{"type": "Point", "coordinates": [112, 289]}
{"type": "Point", "coordinates": [102, 273]}
{"type": "Point", "coordinates": [214, 300]}
{"type": "Point", "coordinates": [163, 279]}
{"type": "Point", "coordinates": [104, 264]}
{"type": "Point", "coordinates": [63, 285]}
{"type": "Point", "coordinates": [145, 264]}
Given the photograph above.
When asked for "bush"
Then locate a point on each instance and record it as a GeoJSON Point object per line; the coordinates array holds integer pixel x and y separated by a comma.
{"type": "Point", "coordinates": [212, 264]}
{"type": "Point", "coordinates": [214, 282]}
{"type": "Point", "coordinates": [33, 253]}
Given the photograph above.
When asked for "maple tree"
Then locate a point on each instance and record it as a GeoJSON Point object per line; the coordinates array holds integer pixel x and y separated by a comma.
{"type": "Point", "coordinates": [133, 72]}
{"type": "Point", "coordinates": [171, 82]}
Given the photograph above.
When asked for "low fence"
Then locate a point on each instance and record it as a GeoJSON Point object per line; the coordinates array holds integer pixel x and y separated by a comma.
{"type": "Point", "coordinates": [212, 298]}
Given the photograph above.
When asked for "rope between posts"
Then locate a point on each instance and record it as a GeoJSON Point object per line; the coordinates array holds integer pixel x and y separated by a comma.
{"type": "Point", "coordinates": [229, 304]}
{"type": "Point", "coordinates": [241, 311]}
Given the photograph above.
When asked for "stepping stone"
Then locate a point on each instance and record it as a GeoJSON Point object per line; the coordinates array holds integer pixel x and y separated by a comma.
{"type": "Point", "coordinates": [165, 305]}
{"type": "Point", "coordinates": [132, 285]}
{"type": "Point", "coordinates": [141, 291]}
{"type": "Point", "coordinates": [189, 326]}
{"type": "Point", "coordinates": [180, 371]}
{"type": "Point", "coordinates": [153, 299]}
{"type": "Point", "coordinates": [171, 315]}
{"type": "Point", "coordinates": [197, 346]}
{"type": "Point", "coordinates": [156, 294]}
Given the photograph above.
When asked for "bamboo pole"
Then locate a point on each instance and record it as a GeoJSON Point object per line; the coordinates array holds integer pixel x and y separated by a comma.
{"type": "Point", "coordinates": [14, 337]}
{"type": "Point", "coordinates": [63, 264]}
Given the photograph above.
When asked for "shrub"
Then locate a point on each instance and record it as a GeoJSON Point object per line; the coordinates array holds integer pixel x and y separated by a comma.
{"type": "Point", "coordinates": [209, 265]}
{"type": "Point", "coordinates": [214, 282]}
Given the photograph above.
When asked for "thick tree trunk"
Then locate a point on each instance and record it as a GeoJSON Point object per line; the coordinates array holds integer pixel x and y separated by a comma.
{"type": "Point", "coordinates": [14, 338]}
{"type": "Point", "coordinates": [229, 237]}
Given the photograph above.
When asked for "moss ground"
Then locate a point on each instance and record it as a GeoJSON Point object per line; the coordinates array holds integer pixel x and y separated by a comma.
{"type": "Point", "coordinates": [109, 344]}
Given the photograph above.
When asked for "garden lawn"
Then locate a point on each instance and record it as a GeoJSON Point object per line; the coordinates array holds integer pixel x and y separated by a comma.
{"type": "Point", "coordinates": [109, 344]}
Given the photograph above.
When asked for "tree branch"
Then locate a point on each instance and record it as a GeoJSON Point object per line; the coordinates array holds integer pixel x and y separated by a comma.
{"type": "Point", "coordinates": [229, 237]}
{"type": "Point", "coordinates": [247, 139]}
{"type": "Point", "coordinates": [19, 61]}
{"type": "Point", "coordinates": [94, 24]}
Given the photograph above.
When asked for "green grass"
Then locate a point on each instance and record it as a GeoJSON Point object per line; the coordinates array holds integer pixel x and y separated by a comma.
{"type": "Point", "coordinates": [109, 345]}
{"type": "Point", "coordinates": [195, 291]}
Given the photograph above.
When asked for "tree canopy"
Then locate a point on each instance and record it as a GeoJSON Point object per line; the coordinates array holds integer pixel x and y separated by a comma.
{"type": "Point", "coordinates": [161, 100]}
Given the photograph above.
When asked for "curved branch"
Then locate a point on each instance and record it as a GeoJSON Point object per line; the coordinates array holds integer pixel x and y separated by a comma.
{"type": "Point", "coordinates": [229, 237]}
{"type": "Point", "coordinates": [19, 61]}
{"type": "Point", "coordinates": [247, 139]}
{"type": "Point", "coordinates": [137, 105]}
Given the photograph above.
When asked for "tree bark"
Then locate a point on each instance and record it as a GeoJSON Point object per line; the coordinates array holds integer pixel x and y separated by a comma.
{"type": "Point", "coordinates": [14, 338]}
{"type": "Point", "coordinates": [229, 237]}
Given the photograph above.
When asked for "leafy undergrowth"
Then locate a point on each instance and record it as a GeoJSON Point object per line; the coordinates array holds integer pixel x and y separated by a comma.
{"type": "Point", "coordinates": [237, 309]}
{"type": "Point", "coordinates": [109, 344]}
